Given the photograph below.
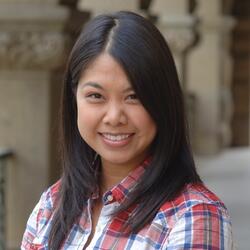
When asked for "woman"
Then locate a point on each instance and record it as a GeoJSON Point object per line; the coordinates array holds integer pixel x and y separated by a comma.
{"type": "Point", "coordinates": [129, 180]}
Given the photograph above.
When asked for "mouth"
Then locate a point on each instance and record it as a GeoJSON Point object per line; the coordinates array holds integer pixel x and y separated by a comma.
{"type": "Point", "coordinates": [121, 139]}
{"type": "Point", "coordinates": [116, 137]}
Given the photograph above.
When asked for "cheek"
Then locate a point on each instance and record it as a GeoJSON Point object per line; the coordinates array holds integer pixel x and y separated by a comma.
{"type": "Point", "coordinates": [144, 123]}
{"type": "Point", "coordinates": [149, 128]}
{"type": "Point", "coordinates": [86, 120]}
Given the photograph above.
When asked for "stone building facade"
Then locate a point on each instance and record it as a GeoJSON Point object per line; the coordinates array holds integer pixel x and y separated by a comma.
{"type": "Point", "coordinates": [210, 42]}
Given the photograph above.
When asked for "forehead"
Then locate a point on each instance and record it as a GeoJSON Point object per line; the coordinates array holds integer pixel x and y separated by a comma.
{"type": "Point", "coordinates": [105, 70]}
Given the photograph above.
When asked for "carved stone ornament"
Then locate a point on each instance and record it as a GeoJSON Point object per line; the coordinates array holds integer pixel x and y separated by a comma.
{"type": "Point", "coordinates": [178, 30]}
{"type": "Point", "coordinates": [32, 49]}
{"type": "Point", "coordinates": [179, 40]}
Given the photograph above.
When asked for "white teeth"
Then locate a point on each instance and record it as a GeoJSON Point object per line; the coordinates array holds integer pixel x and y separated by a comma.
{"type": "Point", "coordinates": [116, 137]}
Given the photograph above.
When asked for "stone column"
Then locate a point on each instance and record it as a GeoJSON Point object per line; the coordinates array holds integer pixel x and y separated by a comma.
{"type": "Point", "coordinates": [178, 27]}
{"type": "Point", "coordinates": [209, 77]}
{"type": "Point", "coordinates": [32, 45]}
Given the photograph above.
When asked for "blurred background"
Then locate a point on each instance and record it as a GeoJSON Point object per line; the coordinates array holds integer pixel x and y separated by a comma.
{"type": "Point", "coordinates": [210, 41]}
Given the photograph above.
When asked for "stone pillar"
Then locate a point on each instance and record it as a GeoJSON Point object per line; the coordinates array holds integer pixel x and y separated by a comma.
{"type": "Point", "coordinates": [209, 77]}
{"type": "Point", "coordinates": [97, 7]}
{"type": "Point", "coordinates": [178, 27]}
{"type": "Point", "coordinates": [32, 45]}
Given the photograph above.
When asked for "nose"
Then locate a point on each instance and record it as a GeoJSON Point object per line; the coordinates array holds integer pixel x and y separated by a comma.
{"type": "Point", "coordinates": [115, 115]}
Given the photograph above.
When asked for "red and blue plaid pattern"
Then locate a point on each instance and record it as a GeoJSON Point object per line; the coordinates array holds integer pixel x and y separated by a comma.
{"type": "Point", "coordinates": [196, 219]}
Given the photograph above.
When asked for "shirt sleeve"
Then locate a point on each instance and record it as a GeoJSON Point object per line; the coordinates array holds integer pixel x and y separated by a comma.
{"type": "Point", "coordinates": [32, 224]}
{"type": "Point", "coordinates": [203, 226]}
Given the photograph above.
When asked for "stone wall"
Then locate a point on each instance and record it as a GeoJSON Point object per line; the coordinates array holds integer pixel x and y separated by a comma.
{"type": "Point", "coordinates": [32, 46]}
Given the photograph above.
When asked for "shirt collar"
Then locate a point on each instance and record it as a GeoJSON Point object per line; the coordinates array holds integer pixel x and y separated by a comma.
{"type": "Point", "coordinates": [120, 191]}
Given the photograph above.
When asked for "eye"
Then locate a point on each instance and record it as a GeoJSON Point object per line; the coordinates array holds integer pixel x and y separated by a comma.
{"type": "Point", "coordinates": [94, 97]}
{"type": "Point", "coordinates": [132, 98]}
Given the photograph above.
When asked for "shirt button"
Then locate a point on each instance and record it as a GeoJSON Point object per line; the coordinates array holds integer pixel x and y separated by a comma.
{"type": "Point", "coordinates": [110, 197]}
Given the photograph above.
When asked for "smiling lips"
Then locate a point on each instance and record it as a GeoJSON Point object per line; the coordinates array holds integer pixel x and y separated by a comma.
{"type": "Point", "coordinates": [116, 140]}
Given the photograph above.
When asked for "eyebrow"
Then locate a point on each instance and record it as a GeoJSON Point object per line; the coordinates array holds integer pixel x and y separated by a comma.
{"type": "Point", "coordinates": [92, 84]}
{"type": "Point", "coordinates": [98, 86]}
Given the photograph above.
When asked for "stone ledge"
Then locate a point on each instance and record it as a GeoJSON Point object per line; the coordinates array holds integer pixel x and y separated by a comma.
{"type": "Point", "coordinates": [32, 12]}
{"type": "Point", "coordinates": [32, 37]}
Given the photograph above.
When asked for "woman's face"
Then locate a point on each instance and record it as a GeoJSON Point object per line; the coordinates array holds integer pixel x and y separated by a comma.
{"type": "Point", "coordinates": [110, 117]}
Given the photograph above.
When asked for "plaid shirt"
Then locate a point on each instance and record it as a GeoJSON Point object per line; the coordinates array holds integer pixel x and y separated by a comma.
{"type": "Point", "coordinates": [196, 219]}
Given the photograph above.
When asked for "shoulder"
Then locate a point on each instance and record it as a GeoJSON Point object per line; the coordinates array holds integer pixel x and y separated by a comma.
{"type": "Point", "coordinates": [191, 195]}
{"type": "Point", "coordinates": [196, 217]}
{"type": "Point", "coordinates": [194, 199]}
{"type": "Point", "coordinates": [50, 196]}
{"type": "Point", "coordinates": [48, 199]}
{"type": "Point", "coordinates": [41, 214]}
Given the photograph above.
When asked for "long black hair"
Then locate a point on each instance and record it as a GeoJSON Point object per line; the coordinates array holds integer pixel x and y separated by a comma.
{"type": "Point", "coordinates": [137, 45]}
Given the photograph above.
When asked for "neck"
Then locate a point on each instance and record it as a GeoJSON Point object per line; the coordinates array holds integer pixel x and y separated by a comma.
{"type": "Point", "coordinates": [112, 174]}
